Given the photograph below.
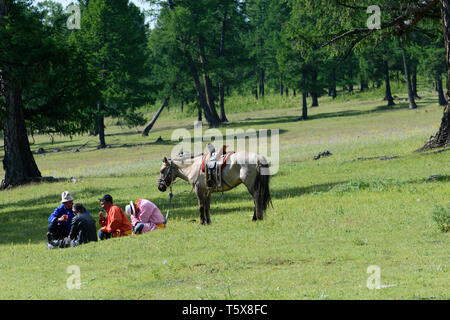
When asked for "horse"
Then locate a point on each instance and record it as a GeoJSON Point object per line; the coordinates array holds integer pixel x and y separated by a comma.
{"type": "Point", "coordinates": [240, 167]}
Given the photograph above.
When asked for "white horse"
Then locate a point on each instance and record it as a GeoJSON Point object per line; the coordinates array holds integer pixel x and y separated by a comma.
{"type": "Point", "coordinates": [240, 167]}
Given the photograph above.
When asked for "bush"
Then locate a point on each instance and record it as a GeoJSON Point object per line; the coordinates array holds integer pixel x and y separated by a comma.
{"type": "Point", "coordinates": [441, 216]}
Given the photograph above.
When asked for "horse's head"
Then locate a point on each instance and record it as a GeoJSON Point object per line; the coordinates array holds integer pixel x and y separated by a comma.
{"type": "Point", "coordinates": [166, 175]}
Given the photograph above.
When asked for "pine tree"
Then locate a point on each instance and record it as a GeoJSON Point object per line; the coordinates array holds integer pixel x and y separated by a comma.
{"type": "Point", "coordinates": [33, 54]}
{"type": "Point", "coordinates": [113, 33]}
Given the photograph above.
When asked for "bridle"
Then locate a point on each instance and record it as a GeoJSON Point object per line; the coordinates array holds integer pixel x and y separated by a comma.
{"type": "Point", "coordinates": [164, 179]}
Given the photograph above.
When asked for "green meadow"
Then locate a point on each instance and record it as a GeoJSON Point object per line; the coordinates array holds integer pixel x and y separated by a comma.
{"type": "Point", "coordinates": [368, 204]}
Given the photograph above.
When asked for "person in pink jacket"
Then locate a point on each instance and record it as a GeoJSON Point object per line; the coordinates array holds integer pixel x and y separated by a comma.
{"type": "Point", "coordinates": [145, 216]}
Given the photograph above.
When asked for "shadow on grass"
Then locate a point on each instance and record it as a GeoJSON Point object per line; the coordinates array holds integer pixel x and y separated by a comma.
{"type": "Point", "coordinates": [26, 225]}
{"type": "Point", "coordinates": [186, 204]}
{"type": "Point", "coordinates": [326, 115]}
{"type": "Point", "coordinates": [235, 125]}
{"type": "Point", "coordinates": [30, 225]}
{"type": "Point", "coordinates": [55, 199]}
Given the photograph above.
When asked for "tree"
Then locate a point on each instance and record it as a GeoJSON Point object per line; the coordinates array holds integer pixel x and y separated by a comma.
{"type": "Point", "coordinates": [316, 62]}
{"type": "Point", "coordinates": [113, 33]}
{"type": "Point", "coordinates": [411, 96]}
{"type": "Point", "coordinates": [202, 39]}
{"type": "Point", "coordinates": [433, 62]}
{"type": "Point", "coordinates": [399, 18]}
{"type": "Point", "coordinates": [186, 27]}
{"type": "Point", "coordinates": [32, 56]}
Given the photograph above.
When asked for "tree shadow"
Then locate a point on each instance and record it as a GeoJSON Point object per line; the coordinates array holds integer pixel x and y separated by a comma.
{"type": "Point", "coordinates": [326, 115]}
{"type": "Point", "coordinates": [35, 181]}
{"type": "Point", "coordinates": [26, 224]}
{"type": "Point", "coordinates": [55, 199]}
{"type": "Point", "coordinates": [353, 113]}
{"type": "Point", "coordinates": [240, 193]}
{"type": "Point", "coordinates": [264, 121]}
{"type": "Point", "coordinates": [61, 145]}
{"type": "Point", "coordinates": [193, 213]}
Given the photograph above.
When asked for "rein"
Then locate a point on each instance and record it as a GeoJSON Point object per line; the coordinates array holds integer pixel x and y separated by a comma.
{"type": "Point", "coordinates": [169, 172]}
{"type": "Point", "coordinates": [170, 204]}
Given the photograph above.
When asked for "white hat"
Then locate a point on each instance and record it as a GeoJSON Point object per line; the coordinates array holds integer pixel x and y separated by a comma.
{"type": "Point", "coordinates": [129, 209]}
{"type": "Point", "coordinates": [66, 196]}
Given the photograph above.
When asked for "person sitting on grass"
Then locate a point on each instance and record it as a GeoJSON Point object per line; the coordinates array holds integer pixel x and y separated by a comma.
{"type": "Point", "coordinates": [116, 223]}
{"type": "Point", "coordinates": [61, 218]}
{"type": "Point", "coordinates": [82, 230]}
{"type": "Point", "coordinates": [145, 216]}
{"type": "Point", "coordinates": [60, 221]}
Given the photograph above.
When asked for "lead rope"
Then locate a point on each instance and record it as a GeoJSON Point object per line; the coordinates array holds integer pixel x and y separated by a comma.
{"type": "Point", "coordinates": [168, 209]}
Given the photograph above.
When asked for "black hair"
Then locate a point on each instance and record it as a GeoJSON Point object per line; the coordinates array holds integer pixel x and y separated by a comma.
{"type": "Point", "coordinates": [78, 207]}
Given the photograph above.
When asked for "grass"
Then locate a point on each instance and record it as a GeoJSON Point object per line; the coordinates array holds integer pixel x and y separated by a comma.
{"type": "Point", "coordinates": [369, 203]}
{"type": "Point", "coordinates": [441, 216]}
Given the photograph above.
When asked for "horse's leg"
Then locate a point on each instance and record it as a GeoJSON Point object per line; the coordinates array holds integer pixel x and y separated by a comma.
{"type": "Point", "coordinates": [251, 190]}
{"type": "Point", "coordinates": [207, 205]}
{"type": "Point", "coordinates": [249, 180]}
{"type": "Point", "coordinates": [201, 206]}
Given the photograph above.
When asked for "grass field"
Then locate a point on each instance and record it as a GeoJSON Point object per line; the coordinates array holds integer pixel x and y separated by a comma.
{"type": "Point", "coordinates": [370, 203]}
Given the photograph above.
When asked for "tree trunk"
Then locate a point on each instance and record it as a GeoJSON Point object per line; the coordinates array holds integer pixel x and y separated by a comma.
{"type": "Point", "coordinates": [200, 93]}
{"type": "Point", "coordinates": [155, 117]}
{"type": "Point", "coordinates": [281, 84]}
{"type": "Point", "coordinates": [223, 117]}
{"type": "Point", "coordinates": [261, 83]}
{"type": "Point", "coordinates": [314, 94]}
{"type": "Point", "coordinates": [18, 162]}
{"type": "Point", "coordinates": [350, 85]}
{"type": "Point", "coordinates": [304, 106]}
{"type": "Point", "coordinates": [315, 100]}
{"type": "Point", "coordinates": [199, 116]}
{"type": "Point", "coordinates": [101, 125]}
{"type": "Point", "coordinates": [333, 88]}
{"type": "Point", "coordinates": [412, 102]}
{"type": "Point", "coordinates": [362, 84]}
{"type": "Point", "coordinates": [442, 137]}
{"type": "Point", "coordinates": [209, 97]}
{"type": "Point", "coordinates": [388, 95]}
{"type": "Point", "coordinates": [440, 90]}
{"type": "Point", "coordinates": [414, 82]}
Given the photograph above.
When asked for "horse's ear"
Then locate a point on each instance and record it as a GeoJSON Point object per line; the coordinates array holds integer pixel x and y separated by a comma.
{"type": "Point", "coordinates": [165, 160]}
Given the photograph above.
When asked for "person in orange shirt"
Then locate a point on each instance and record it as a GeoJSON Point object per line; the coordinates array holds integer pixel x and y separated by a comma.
{"type": "Point", "coordinates": [116, 223]}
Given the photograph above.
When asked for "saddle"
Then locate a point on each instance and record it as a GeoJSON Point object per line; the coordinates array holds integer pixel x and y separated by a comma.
{"type": "Point", "coordinates": [212, 165]}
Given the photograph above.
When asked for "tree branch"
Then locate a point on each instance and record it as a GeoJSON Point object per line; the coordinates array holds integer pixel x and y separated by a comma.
{"type": "Point", "coordinates": [418, 11]}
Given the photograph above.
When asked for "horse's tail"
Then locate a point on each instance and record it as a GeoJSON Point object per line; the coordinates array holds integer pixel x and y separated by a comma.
{"type": "Point", "coordinates": [262, 191]}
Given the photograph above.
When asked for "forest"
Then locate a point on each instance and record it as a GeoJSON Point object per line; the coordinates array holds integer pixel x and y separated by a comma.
{"type": "Point", "coordinates": [59, 79]}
